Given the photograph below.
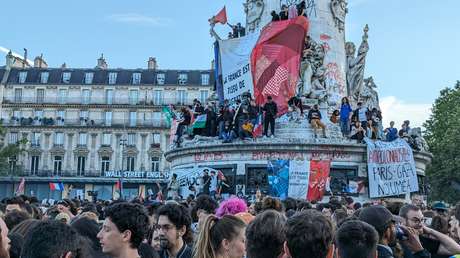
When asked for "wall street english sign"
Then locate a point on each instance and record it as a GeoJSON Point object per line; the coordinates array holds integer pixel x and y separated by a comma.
{"type": "Point", "coordinates": [138, 175]}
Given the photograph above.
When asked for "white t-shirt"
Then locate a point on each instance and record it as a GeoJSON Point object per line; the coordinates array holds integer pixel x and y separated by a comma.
{"type": "Point", "coordinates": [213, 184]}
{"type": "Point", "coordinates": [362, 114]}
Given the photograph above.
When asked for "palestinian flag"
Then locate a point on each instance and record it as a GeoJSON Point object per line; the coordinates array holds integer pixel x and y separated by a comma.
{"type": "Point", "coordinates": [168, 114]}
{"type": "Point", "coordinates": [200, 122]}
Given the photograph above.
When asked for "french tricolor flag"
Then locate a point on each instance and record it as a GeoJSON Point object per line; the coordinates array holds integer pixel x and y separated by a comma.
{"type": "Point", "coordinates": [258, 127]}
{"type": "Point", "coordinates": [57, 186]}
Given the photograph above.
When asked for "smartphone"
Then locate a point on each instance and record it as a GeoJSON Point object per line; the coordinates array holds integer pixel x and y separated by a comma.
{"type": "Point", "coordinates": [400, 235]}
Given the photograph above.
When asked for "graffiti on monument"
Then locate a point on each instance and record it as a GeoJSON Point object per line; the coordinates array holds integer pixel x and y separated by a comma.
{"type": "Point", "coordinates": [326, 153]}
{"type": "Point", "coordinates": [216, 156]}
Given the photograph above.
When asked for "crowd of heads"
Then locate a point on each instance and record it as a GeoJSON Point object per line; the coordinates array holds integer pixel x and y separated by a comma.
{"type": "Point", "coordinates": [205, 228]}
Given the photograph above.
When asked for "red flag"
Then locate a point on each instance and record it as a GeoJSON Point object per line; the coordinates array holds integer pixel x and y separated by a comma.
{"type": "Point", "coordinates": [275, 61]}
{"type": "Point", "coordinates": [220, 17]}
{"type": "Point", "coordinates": [319, 173]}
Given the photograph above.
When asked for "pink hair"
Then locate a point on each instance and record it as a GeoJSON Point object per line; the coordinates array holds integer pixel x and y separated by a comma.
{"type": "Point", "coordinates": [231, 206]}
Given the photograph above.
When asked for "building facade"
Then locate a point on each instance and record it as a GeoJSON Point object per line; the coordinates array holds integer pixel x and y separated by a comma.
{"type": "Point", "coordinates": [86, 127]}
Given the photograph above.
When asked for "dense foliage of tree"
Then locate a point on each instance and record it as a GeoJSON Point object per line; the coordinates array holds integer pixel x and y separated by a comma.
{"type": "Point", "coordinates": [7, 151]}
{"type": "Point", "coordinates": [443, 137]}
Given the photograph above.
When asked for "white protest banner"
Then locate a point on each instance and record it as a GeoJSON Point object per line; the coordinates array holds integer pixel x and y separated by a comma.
{"type": "Point", "coordinates": [299, 176]}
{"type": "Point", "coordinates": [235, 59]}
{"type": "Point", "coordinates": [190, 178]}
{"type": "Point", "coordinates": [391, 168]}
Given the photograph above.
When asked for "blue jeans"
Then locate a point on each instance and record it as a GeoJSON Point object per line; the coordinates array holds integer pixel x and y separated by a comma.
{"type": "Point", "coordinates": [345, 127]}
{"type": "Point", "coordinates": [228, 136]}
{"type": "Point", "coordinates": [221, 129]}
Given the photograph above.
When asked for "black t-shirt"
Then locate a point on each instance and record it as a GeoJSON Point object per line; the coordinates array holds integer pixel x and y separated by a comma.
{"type": "Point", "coordinates": [206, 183]}
{"type": "Point", "coordinates": [431, 245]}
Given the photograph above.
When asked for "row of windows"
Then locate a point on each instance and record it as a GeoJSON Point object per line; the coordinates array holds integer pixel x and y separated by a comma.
{"type": "Point", "coordinates": [182, 78]}
{"type": "Point", "coordinates": [85, 119]}
{"type": "Point", "coordinates": [129, 164]}
{"type": "Point", "coordinates": [133, 96]}
{"type": "Point", "coordinates": [83, 139]}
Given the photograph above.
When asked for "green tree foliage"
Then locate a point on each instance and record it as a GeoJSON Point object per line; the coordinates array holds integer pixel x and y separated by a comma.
{"type": "Point", "coordinates": [443, 137]}
{"type": "Point", "coordinates": [7, 151]}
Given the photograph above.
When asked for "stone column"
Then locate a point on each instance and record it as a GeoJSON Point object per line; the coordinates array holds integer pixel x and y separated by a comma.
{"type": "Point", "coordinates": [46, 159]}
{"type": "Point", "coordinates": [92, 155]}
{"type": "Point", "coordinates": [68, 152]}
{"type": "Point", "coordinates": [142, 157]}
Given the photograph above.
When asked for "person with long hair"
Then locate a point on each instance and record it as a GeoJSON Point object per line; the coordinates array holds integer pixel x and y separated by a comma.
{"type": "Point", "coordinates": [345, 111]}
{"type": "Point", "coordinates": [221, 237]}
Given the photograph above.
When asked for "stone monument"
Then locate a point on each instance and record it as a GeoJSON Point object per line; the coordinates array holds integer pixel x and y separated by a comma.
{"type": "Point", "coordinates": [330, 69]}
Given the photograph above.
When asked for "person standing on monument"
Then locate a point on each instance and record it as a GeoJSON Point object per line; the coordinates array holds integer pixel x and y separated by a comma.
{"type": "Point", "coordinates": [284, 14]}
{"type": "Point", "coordinates": [206, 181]}
{"type": "Point", "coordinates": [345, 111]}
{"type": "Point", "coordinates": [271, 109]}
{"type": "Point", "coordinates": [173, 187]}
{"type": "Point", "coordinates": [213, 184]}
{"type": "Point", "coordinates": [314, 117]}
{"type": "Point", "coordinates": [362, 114]}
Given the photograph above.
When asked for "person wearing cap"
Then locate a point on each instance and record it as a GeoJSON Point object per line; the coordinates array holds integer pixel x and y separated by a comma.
{"type": "Point", "coordinates": [433, 241]}
{"type": "Point", "coordinates": [385, 223]}
{"type": "Point", "coordinates": [440, 208]}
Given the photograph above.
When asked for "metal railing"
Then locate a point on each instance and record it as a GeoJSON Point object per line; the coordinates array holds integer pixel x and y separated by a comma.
{"type": "Point", "coordinates": [141, 101]}
{"type": "Point", "coordinates": [115, 123]}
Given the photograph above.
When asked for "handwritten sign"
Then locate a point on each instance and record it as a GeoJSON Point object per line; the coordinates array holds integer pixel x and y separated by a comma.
{"type": "Point", "coordinates": [299, 175]}
{"type": "Point", "coordinates": [391, 168]}
{"type": "Point", "coordinates": [236, 70]}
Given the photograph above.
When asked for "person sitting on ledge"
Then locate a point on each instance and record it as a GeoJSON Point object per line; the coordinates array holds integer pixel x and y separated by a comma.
{"type": "Point", "coordinates": [335, 117]}
{"type": "Point", "coordinates": [357, 132]}
{"type": "Point", "coordinates": [227, 133]}
{"type": "Point", "coordinates": [314, 117]}
{"type": "Point", "coordinates": [391, 132]}
{"type": "Point", "coordinates": [284, 14]}
{"type": "Point", "coordinates": [246, 130]}
{"type": "Point", "coordinates": [275, 16]}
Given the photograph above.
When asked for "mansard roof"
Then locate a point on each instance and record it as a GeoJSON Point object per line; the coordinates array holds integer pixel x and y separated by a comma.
{"type": "Point", "coordinates": [101, 76]}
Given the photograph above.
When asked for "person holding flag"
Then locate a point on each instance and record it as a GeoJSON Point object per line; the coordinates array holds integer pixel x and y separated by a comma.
{"type": "Point", "coordinates": [221, 183]}
{"type": "Point", "coordinates": [220, 17]}
{"type": "Point", "coordinates": [183, 123]}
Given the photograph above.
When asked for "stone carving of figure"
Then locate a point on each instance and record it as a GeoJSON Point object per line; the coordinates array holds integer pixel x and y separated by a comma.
{"type": "Point", "coordinates": [339, 11]}
{"type": "Point", "coordinates": [356, 65]}
{"type": "Point", "coordinates": [368, 95]}
{"type": "Point", "coordinates": [318, 85]}
{"type": "Point", "coordinates": [258, 13]}
{"type": "Point", "coordinates": [416, 140]}
{"type": "Point", "coordinates": [312, 68]}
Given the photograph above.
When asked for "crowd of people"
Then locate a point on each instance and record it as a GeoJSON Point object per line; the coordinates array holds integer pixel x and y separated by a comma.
{"type": "Point", "coordinates": [229, 122]}
{"type": "Point", "coordinates": [364, 122]}
{"type": "Point", "coordinates": [241, 120]}
{"type": "Point", "coordinates": [233, 228]}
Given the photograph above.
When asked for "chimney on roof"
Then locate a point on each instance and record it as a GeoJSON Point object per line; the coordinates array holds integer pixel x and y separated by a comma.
{"type": "Point", "coordinates": [64, 66]}
{"type": "Point", "coordinates": [101, 63]}
{"type": "Point", "coordinates": [9, 59]}
{"type": "Point", "coordinates": [152, 63]}
{"type": "Point", "coordinates": [25, 58]}
{"type": "Point", "coordinates": [39, 62]}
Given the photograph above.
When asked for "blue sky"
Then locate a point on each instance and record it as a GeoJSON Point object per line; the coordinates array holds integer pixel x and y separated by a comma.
{"type": "Point", "coordinates": [413, 43]}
